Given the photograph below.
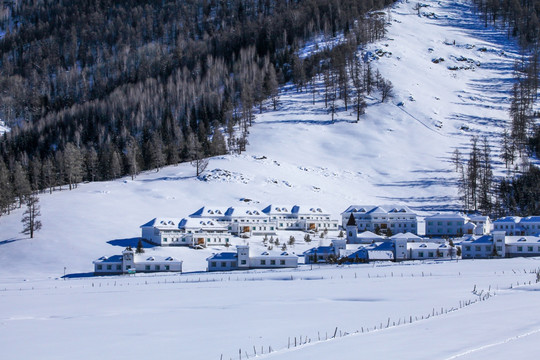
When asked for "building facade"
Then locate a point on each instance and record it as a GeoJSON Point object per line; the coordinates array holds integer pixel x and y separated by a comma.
{"type": "Point", "coordinates": [382, 219]}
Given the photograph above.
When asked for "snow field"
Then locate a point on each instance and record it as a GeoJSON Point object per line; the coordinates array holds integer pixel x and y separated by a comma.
{"type": "Point", "coordinates": [202, 316]}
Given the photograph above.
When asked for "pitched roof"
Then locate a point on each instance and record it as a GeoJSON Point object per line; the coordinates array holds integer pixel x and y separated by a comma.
{"type": "Point", "coordinates": [527, 219]}
{"type": "Point", "coordinates": [378, 209]}
{"type": "Point", "coordinates": [320, 250]}
{"type": "Point", "coordinates": [451, 216]}
{"type": "Point", "coordinates": [163, 223]}
{"type": "Point", "coordinates": [352, 221]}
{"type": "Point", "coordinates": [369, 235]}
{"type": "Point", "coordinates": [508, 219]}
{"type": "Point", "coordinates": [223, 256]}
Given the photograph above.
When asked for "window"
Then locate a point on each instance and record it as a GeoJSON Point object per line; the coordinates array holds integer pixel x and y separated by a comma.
{"type": "Point", "coordinates": [529, 248]}
{"type": "Point", "coordinates": [430, 222]}
{"type": "Point", "coordinates": [467, 248]}
{"type": "Point", "coordinates": [157, 268]}
{"type": "Point", "coordinates": [164, 239]}
{"type": "Point", "coordinates": [449, 223]}
{"type": "Point", "coordinates": [233, 264]}
{"type": "Point", "coordinates": [167, 267]}
{"type": "Point", "coordinates": [109, 267]}
{"type": "Point", "coordinates": [421, 254]}
{"type": "Point", "coordinates": [243, 262]}
{"type": "Point", "coordinates": [118, 267]}
{"type": "Point", "coordinates": [263, 262]}
{"type": "Point", "coordinates": [499, 248]}
{"type": "Point", "coordinates": [430, 254]}
{"type": "Point", "coordinates": [272, 262]}
{"type": "Point", "coordinates": [488, 248]}
{"type": "Point", "coordinates": [281, 262]}
{"type": "Point", "coordinates": [99, 267]}
{"type": "Point", "coordinates": [223, 264]}
{"type": "Point", "coordinates": [128, 267]}
{"type": "Point", "coordinates": [520, 248]}
{"type": "Point", "coordinates": [213, 264]}
{"type": "Point", "coordinates": [477, 248]}
{"type": "Point", "coordinates": [147, 267]}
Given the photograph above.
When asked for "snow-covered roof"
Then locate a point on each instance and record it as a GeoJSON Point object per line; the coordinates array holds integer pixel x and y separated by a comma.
{"type": "Point", "coordinates": [210, 211]}
{"type": "Point", "coordinates": [163, 223]}
{"type": "Point", "coordinates": [201, 223]}
{"type": "Point", "coordinates": [369, 235]}
{"type": "Point", "coordinates": [517, 240]}
{"type": "Point", "coordinates": [376, 209]}
{"type": "Point", "coordinates": [274, 254]}
{"type": "Point", "coordinates": [245, 211]}
{"type": "Point", "coordinates": [407, 235]}
{"type": "Point", "coordinates": [508, 219]}
{"type": "Point", "coordinates": [450, 216]}
{"type": "Point", "coordinates": [278, 210]}
{"type": "Point", "coordinates": [320, 250]}
{"type": "Point", "coordinates": [308, 210]}
{"type": "Point", "coordinates": [223, 256]}
{"type": "Point", "coordinates": [109, 259]}
{"type": "Point", "coordinates": [426, 246]}
{"type": "Point", "coordinates": [151, 258]}
{"type": "Point", "coordinates": [530, 219]}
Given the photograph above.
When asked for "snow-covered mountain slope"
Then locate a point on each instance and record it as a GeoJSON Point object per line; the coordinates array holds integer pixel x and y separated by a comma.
{"type": "Point", "coordinates": [398, 153]}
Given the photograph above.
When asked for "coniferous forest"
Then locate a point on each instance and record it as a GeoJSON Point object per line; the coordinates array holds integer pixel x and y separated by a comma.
{"type": "Point", "coordinates": [519, 192]}
{"type": "Point", "coordinates": [95, 90]}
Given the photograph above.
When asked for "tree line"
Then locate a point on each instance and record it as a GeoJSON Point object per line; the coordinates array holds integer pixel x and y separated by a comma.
{"type": "Point", "coordinates": [95, 90]}
{"type": "Point", "coordinates": [518, 193]}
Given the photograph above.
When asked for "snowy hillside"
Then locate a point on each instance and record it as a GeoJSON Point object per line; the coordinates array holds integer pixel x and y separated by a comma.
{"type": "Point", "coordinates": [451, 76]}
{"type": "Point", "coordinates": [398, 153]}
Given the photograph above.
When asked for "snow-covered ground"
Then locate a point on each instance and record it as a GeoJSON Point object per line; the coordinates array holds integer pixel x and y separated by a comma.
{"type": "Point", "coordinates": [398, 153]}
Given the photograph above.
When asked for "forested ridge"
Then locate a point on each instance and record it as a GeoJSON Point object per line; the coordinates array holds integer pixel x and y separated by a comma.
{"type": "Point", "coordinates": [94, 90]}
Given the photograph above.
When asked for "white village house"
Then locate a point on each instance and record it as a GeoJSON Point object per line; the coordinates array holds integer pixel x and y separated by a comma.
{"type": "Point", "coordinates": [241, 221]}
{"type": "Point", "coordinates": [298, 217]}
{"type": "Point", "coordinates": [498, 244]}
{"type": "Point", "coordinates": [383, 218]}
{"type": "Point", "coordinates": [244, 259]}
{"type": "Point", "coordinates": [455, 225]}
{"type": "Point", "coordinates": [130, 262]}
{"type": "Point", "coordinates": [185, 232]}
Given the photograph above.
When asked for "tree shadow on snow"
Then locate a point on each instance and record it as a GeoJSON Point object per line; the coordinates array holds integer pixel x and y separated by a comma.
{"type": "Point", "coordinates": [78, 275]}
{"type": "Point", "coordinates": [7, 241]}
{"type": "Point", "coordinates": [129, 242]}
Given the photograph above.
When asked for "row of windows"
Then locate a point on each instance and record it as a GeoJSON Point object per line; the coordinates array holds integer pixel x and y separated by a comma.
{"type": "Point", "coordinates": [529, 248]}
{"type": "Point", "coordinates": [479, 248]}
{"type": "Point", "coordinates": [405, 225]}
{"type": "Point", "coordinates": [156, 267]}
{"type": "Point", "coordinates": [449, 223]}
{"type": "Point", "coordinates": [110, 267]}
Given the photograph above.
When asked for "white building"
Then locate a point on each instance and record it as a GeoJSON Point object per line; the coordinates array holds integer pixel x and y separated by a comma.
{"type": "Point", "coordinates": [530, 225]}
{"type": "Point", "coordinates": [478, 248]}
{"type": "Point", "coordinates": [185, 232]}
{"type": "Point", "coordinates": [244, 259]}
{"type": "Point", "coordinates": [396, 218]}
{"type": "Point", "coordinates": [509, 224]}
{"type": "Point", "coordinates": [430, 250]}
{"type": "Point", "coordinates": [129, 262]}
{"type": "Point", "coordinates": [522, 246]}
{"type": "Point", "coordinates": [298, 217]}
{"type": "Point", "coordinates": [484, 225]}
{"type": "Point", "coordinates": [241, 221]}
{"type": "Point", "coordinates": [453, 225]}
